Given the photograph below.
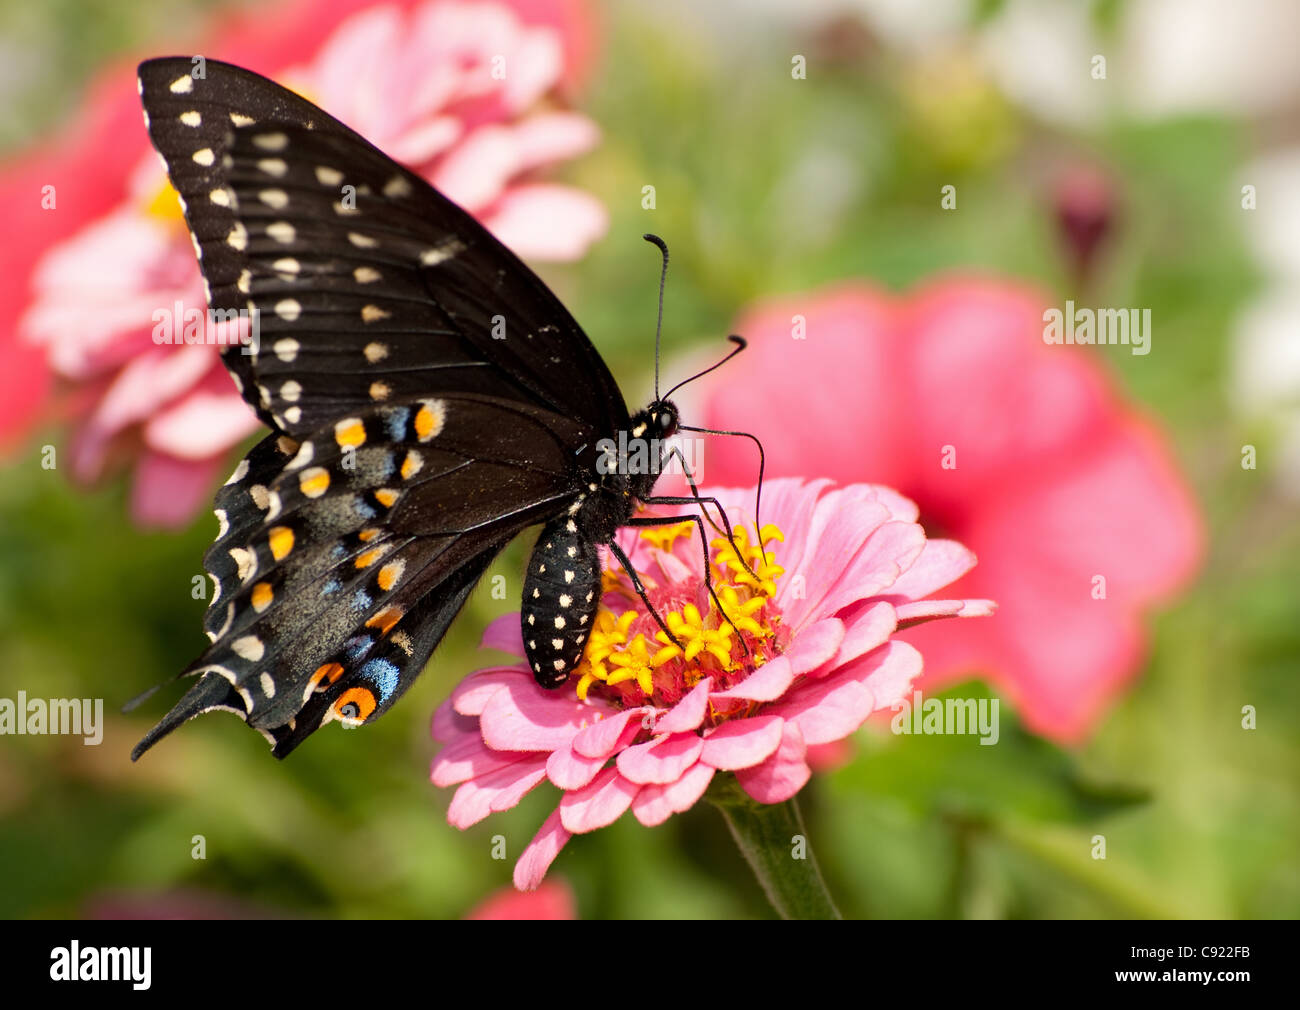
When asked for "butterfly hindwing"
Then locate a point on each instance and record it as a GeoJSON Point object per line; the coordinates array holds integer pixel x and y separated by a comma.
{"type": "Point", "coordinates": [384, 660]}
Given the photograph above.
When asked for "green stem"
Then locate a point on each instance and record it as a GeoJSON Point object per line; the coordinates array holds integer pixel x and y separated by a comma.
{"type": "Point", "coordinates": [774, 841]}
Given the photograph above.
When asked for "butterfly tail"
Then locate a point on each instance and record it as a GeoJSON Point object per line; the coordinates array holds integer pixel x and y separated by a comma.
{"type": "Point", "coordinates": [212, 692]}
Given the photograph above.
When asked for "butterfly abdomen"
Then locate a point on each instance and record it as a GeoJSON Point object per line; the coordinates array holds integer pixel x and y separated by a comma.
{"type": "Point", "coordinates": [561, 594]}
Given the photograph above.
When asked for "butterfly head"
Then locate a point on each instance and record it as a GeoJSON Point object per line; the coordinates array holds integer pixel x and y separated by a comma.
{"type": "Point", "coordinates": [663, 418]}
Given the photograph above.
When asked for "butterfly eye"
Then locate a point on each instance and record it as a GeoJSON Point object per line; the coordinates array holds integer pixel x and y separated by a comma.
{"type": "Point", "coordinates": [354, 705]}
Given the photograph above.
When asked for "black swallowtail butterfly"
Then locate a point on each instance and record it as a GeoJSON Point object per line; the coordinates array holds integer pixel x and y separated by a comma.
{"type": "Point", "coordinates": [408, 443]}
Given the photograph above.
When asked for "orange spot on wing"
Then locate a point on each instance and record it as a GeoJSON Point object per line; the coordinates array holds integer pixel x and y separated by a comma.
{"type": "Point", "coordinates": [262, 596]}
{"type": "Point", "coordinates": [280, 540]}
{"type": "Point", "coordinates": [385, 619]}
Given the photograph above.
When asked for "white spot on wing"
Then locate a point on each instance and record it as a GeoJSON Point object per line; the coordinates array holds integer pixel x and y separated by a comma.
{"type": "Point", "coordinates": [249, 647]}
{"type": "Point", "coordinates": [442, 253]}
{"type": "Point", "coordinates": [397, 186]}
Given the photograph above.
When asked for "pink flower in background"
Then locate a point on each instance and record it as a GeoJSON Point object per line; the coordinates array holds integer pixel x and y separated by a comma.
{"type": "Point", "coordinates": [1054, 480]}
{"type": "Point", "coordinates": [455, 90]}
{"type": "Point", "coordinates": [553, 900]}
{"type": "Point", "coordinates": [644, 724]}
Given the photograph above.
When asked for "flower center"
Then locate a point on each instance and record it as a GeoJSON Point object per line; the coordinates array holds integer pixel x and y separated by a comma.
{"type": "Point", "coordinates": [631, 661]}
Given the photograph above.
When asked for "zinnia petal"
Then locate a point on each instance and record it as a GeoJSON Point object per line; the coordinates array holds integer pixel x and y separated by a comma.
{"type": "Point", "coordinates": [742, 743]}
{"type": "Point", "coordinates": [660, 761]}
{"type": "Point", "coordinates": [541, 852]}
{"type": "Point", "coordinates": [782, 774]}
{"type": "Point", "coordinates": [603, 801]}
{"type": "Point", "coordinates": [654, 804]}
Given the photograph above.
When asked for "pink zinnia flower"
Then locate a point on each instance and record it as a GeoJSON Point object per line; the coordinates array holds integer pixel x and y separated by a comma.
{"type": "Point", "coordinates": [645, 724]}
{"type": "Point", "coordinates": [418, 80]}
{"type": "Point", "coordinates": [1023, 451]}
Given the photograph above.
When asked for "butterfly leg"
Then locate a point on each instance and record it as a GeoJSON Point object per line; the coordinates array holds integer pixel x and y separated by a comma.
{"type": "Point", "coordinates": [626, 562]}
{"type": "Point", "coordinates": [704, 546]}
{"type": "Point", "coordinates": [698, 499]}
{"type": "Point", "coordinates": [702, 501]}
{"type": "Point", "coordinates": [762, 466]}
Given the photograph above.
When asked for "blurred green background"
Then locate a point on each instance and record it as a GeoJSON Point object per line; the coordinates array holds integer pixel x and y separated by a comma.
{"type": "Point", "coordinates": [1202, 819]}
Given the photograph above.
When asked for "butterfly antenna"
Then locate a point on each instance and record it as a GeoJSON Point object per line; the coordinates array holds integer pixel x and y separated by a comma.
{"type": "Point", "coordinates": [663, 279]}
{"type": "Point", "coordinates": [740, 342]}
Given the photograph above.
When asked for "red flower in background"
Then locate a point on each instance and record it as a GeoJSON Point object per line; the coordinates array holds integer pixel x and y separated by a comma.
{"type": "Point", "coordinates": [83, 280]}
{"type": "Point", "coordinates": [552, 900]}
{"type": "Point", "coordinates": [1055, 480]}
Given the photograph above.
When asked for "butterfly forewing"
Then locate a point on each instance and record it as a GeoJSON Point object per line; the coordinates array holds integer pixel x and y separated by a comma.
{"type": "Point", "coordinates": [365, 276]}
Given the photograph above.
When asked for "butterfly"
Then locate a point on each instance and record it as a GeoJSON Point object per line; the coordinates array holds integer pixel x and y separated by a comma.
{"type": "Point", "coordinates": [428, 399]}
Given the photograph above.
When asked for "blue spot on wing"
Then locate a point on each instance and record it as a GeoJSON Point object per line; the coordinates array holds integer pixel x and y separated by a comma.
{"type": "Point", "coordinates": [356, 647]}
{"type": "Point", "coordinates": [397, 422]}
{"type": "Point", "coordinates": [382, 674]}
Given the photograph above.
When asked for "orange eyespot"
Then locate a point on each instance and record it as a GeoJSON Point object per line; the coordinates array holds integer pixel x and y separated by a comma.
{"type": "Point", "coordinates": [354, 705]}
